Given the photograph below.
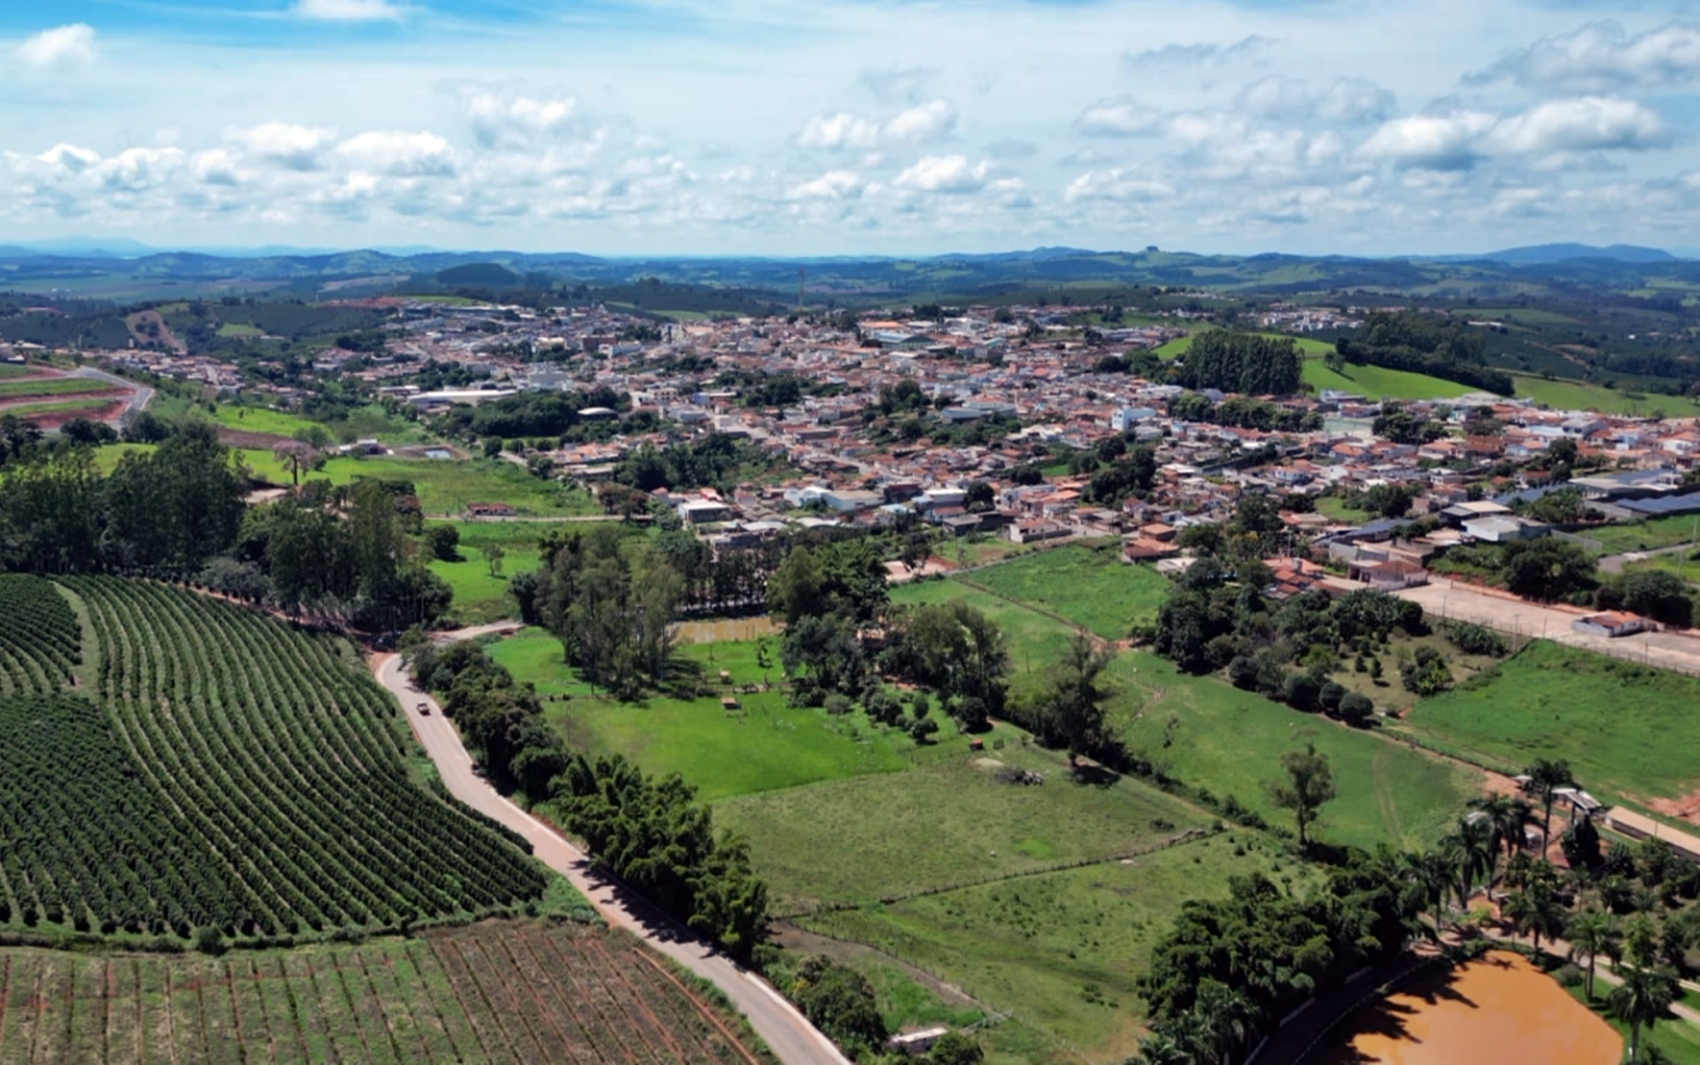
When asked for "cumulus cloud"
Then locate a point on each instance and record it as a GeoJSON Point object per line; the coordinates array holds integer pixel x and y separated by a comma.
{"type": "Point", "coordinates": [399, 154]}
{"type": "Point", "coordinates": [61, 49]}
{"type": "Point", "coordinates": [951, 174]}
{"type": "Point", "coordinates": [1118, 117]}
{"type": "Point", "coordinates": [1116, 185]}
{"type": "Point", "coordinates": [1458, 140]}
{"type": "Point", "coordinates": [1601, 56]}
{"type": "Point", "coordinates": [1195, 55]}
{"type": "Point", "coordinates": [832, 185]}
{"type": "Point", "coordinates": [502, 117]}
{"type": "Point", "coordinates": [349, 10]}
{"type": "Point", "coordinates": [1347, 101]}
{"type": "Point", "coordinates": [922, 124]}
{"type": "Point", "coordinates": [1589, 123]}
{"type": "Point", "coordinates": [284, 144]}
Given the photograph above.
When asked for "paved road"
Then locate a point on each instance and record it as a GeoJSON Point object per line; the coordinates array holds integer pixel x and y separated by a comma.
{"type": "Point", "coordinates": [1463, 602]}
{"type": "Point", "coordinates": [787, 1033]}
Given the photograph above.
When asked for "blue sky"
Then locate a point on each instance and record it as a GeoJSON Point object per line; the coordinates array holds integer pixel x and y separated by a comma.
{"type": "Point", "coordinates": [852, 126]}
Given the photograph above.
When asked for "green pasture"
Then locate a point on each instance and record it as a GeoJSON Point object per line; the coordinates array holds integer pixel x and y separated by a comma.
{"type": "Point", "coordinates": [1377, 382]}
{"type": "Point", "coordinates": [1575, 395]}
{"type": "Point", "coordinates": [953, 822]}
{"type": "Point", "coordinates": [1628, 731]}
{"type": "Point", "coordinates": [479, 596]}
{"type": "Point", "coordinates": [1089, 586]}
{"type": "Point", "coordinates": [1207, 733]}
{"type": "Point", "coordinates": [56, 407]}
{"type": "Point", "coordinates": [760, 746]}
{"type": "Point", "coordinates": [1647, 535]}
{"type": "Point", "coordinates": [1061, 950]}
{"type": "Point", "coordinates": [1335, 509]}
{"type": "Point", "coordinates": [237, 329]}
{"type": "Point", "coordinates": [53, 386]}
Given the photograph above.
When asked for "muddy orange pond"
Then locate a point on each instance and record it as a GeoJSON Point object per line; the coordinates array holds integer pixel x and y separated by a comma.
{"type": "Point", "coordinates": [1495, 1010]}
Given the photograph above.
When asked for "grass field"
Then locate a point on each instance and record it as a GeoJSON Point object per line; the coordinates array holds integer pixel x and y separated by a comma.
{"type": "Point", "coordinates": [54, 386]}
{"type": "Point", "coordinates": [496, 992]}
{"type": "Point", "coordinates": [953, 822]}
{"type": "Point", "coordinates": [1230, 742]}
{"type": "Point", "coordinates": [1061, 950]}
{"type": "Point", "coordinates": [762, 746]}
{"type": "Point", "coordinates": [1335, 509]}
{"type": "Point", "coordinates": [24, 410]}
{"type": "Point", "coordinates": [1376, 382]}
{"type": "Point", "coordinates": [1643, 535]}
{"type": "Point", "coordinates": [1035, 641]}
{"type": "Point", "coordinates": [1575, 395]}
{"type": "Point", "coordinates": [481, 597]}
{"type": "Point", "coordinates": [1090, 587]}
{"type": "Point", "coordinates": [1628, 731]}
{"type": "Point", "coordinates": [1677, 1039]}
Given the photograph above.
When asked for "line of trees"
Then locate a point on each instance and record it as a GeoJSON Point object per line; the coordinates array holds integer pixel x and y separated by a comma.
{"type": "Point", "coordinates": [1425, 344]}
{"type": "Point", "coordinates": [1248, 363]}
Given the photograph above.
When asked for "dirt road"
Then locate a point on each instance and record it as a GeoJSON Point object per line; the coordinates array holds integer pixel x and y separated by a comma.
{"type": "Point", "coordinates": [787, 1033]}
{"type": "Point", "coordinates": [1463, 602]}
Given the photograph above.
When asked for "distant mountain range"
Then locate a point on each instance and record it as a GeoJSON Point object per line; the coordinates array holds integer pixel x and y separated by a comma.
{"type": "Point", "coordinates": [1539, 254]}
{"type": "Point", "coordinates": [98, 267]}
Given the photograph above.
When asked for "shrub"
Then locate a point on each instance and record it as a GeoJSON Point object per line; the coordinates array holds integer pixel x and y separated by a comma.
{"type": "Point", "coordinates": [1427, 673]}
{"type": "Point", "coordinates": [1356, 709]}
{"type": "Point", "coordinates": [1473, 639]}
{"type": "Point", "coordinates": [837, 704]}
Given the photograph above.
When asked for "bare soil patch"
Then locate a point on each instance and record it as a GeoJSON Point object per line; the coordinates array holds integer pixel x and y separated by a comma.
{"type": "Point", "coordinates": [1683, 808]}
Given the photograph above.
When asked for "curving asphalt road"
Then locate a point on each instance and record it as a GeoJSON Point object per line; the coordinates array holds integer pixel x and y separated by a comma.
{"type": "Point", "coordinates": [786, 1031]}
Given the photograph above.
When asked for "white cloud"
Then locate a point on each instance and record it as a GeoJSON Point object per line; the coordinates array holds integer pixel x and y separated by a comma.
{"type": "Point", "coordinates": [1601, 56]}
{"type": "Point", "coordinates": [945, 173]}
{"type": "Point", "coordinates": [1116, 185]}
{"type": "Point", "coordinates": [841, 130]}
{"type": "Point", "coordinates": [1196, 54]}
{"type": "Point", "coordinates": [349, 10]}
{"type": "Point", "coordinates": [1590, 123]}
{"type": "Point", "coordinates": [399, 154]}
{"type": "Point", "coordinates": [1120, 117]}
{"type": "Point", "coordinates": [832, 185]}
{"type": "Point", "coordinates": [504, 118]}
{"type": "Point", "coordinates": [64, 48]}
{"type": "Point", "coordinates": [283, 144]}
{"type": "Point", "coordinates": [1346, 101]}
{"type": "Point", "coordinates": [922, 124]}
{"type": "Point", "coordinates": [216, 167]}
{"type": "Point", "coordinates": [70, 157]}
{"type": "Point", "coordinates": [1458, 140]}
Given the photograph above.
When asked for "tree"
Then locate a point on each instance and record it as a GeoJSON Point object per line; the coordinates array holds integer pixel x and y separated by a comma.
{"type": "Point", "coordinates": [955, 1048]}
{"type": "Point", "coordinates": [1309, 784]}
{"type": "Point", "coordinates": [1356, 709]}
{"type": "Point", "coordinates": [1427, 673]}
{"type": "Point", "coordinates": [297, 456]}
{"type": "Point", "coordinates": [1075, 706]}
{"type": "Point", "coordinates": [444, 542]}
{"type": "Point", "coordinates": [1592, 933]}
{"type": "Point", "coordinates": [1642, 999]}
{"type": "Point", "coordinates": [493, 555]}
{"type": "Point", "coordinates": [1505, 816]}
{"type": "Point", "coordinates": [1547, 569]}
{"type": "Point", "coordinates": [841, 1002]}
{"type": "Point", "coordinates": [1536, 910]}
{"type": "Point", "coordinates": [1545, 777]}
{"type": "Point", "coordinates": [1657, 594]}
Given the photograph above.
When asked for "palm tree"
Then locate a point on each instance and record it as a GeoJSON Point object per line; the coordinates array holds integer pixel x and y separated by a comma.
{"type": "Point", "coordinates": [1545, 778]}
{"type": "Point", "coordinates": [1505, 815]}
{"type": "Point", "coordinates": [1161, 1048]}
{"type": "Point", "coordinates": [1642, 998]}
{"type": "Point", "coordinates": [1535, 909]}
{"type": "Point", "coordinates": [1592, 933]}
{"type": "Point", "coordinates": [1469, 852]}
{"type": "Point", "coordinates": [1224, 1019]}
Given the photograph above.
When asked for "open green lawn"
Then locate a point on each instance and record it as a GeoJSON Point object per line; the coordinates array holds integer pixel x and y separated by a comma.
{"type": "Point", "coordinates": [237, 329]}
{"type": "Point", "coordinates": [1230, 741]}
{"type": "Point", "coordinates": [362, 423]}
{"type": "Point", "coordinates": [1335, 509]}
{"type": "Point", "coordinates": [1575, 395]}
{"type": "Point", "coordinates": [1629, 732]}
{"type": "Point", "coordinates": [1062, 950]}
{"type": "Point", "coordinates": [53, 386]}
{"type": "Point", "coordinates": [449, 486]}
{"type": "Point", "coordinates": [946, 824]}
{"type": "Point", "coordinates": [1643, 535]}
{"type": "Point", "coordinates": [1090, 586]}
{"type": "Point", "coordinates": [1678, 1039]}
{"type": "Point", "coordinates": [479, 596]}
{"type": "Point", "coordinates": [763, 746]}
{"type": "Point", "coordinates": [1376, 382]}
{"type": "Point", "coordinates": [58, 406]}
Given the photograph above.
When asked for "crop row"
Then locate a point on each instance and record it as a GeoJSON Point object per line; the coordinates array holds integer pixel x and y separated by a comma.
{"type": "Point", "coordinates": [574, 994]}
{"type": "Point", "coordinates": [40, 640]}
{"type": "Point", "coordinates": [271, 754]}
